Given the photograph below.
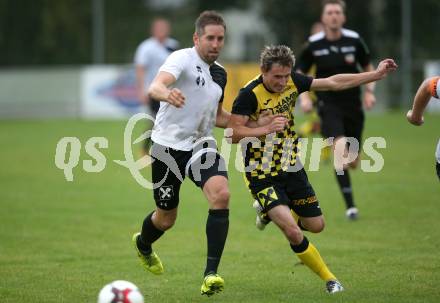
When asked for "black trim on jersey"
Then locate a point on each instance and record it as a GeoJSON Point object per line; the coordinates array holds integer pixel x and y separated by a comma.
{"type": "Point", "coordinates": [246, 102]}
{"type": "Point", "coordinates": [301, 82]}
{"type": "Point", "coordinates": [219, 76]}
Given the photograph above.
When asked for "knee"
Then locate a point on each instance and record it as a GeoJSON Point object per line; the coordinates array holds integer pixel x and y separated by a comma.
{"type": "Point", "coordinates": [164, 222]}
{"type": "Point", "coordinates": [164, 225]}
{"type": "Point", "coordinates": [294, 234]}
{"type": "Point", "coordinates": [316, 227]}
{"type": "Point", "coordinates": [220, 199]}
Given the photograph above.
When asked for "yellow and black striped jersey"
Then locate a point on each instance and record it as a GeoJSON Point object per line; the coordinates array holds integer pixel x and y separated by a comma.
{"type": "Point", "coordinates": [275, 152]}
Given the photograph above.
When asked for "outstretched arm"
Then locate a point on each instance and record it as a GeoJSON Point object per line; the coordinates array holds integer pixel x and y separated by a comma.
{"type": "Point", "coordinates": [345, 81]}
{"type": "Point", "coordinates": [421, 99]}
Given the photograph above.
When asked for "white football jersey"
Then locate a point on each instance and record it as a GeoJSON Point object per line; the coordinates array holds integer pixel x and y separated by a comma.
{"type": "Point", "coordinates": [151, 54]}
{"type": "Point", "coordinates": [203, 87]}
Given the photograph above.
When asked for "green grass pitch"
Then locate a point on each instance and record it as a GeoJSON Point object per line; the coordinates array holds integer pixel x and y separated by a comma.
{"type": "Point", "coordinates": [62, 241]}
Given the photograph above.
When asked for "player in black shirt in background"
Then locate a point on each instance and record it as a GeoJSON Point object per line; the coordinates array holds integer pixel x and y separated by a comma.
{"type": "Point", "coordinates": [337, 50]}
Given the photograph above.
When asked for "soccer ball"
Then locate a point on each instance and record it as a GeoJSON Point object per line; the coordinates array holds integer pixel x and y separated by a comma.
{"type": "Point", "coordinates": [120, 292]}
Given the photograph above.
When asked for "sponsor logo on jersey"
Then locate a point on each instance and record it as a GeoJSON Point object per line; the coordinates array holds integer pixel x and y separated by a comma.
{"type": "Point", "coordinates": [348, 49]}
{"type": "Point", "coordinates": [334, 49]}
{"type": "Point", "coordinates": [321, 52]}
{"type": "Point", "coordinates": [200, 81]}
{"type": "Point", "coordinates": [349, 58]}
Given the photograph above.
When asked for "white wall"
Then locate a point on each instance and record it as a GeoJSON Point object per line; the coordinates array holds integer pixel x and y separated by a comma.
{"type": "Point", "coordinates": [87, 92]}
{"type": "Point", "coordinates": [39, 92]}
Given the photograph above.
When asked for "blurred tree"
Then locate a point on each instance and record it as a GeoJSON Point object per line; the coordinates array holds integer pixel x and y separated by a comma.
{"type": "Point", "coordinates": [201, 5]}
{"type": "Point", "coordinates": [36, 32]}
{"type": "Point", "coordinates": [426, 23]}
{"type": "Point", "coordinates": [43, 31]}
{"type": "Point", "coordinates": [291, 20]}
{"type": "Point", "coordinates": [387, 38]}
{"type": "Point", "coordinates": [127, 23]}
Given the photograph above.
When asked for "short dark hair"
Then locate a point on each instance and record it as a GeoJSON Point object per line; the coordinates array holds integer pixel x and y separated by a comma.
{"type": "Point", "coordinates": [339, 2]}
{"type": "Point", "coordinates": [276, 54]}
{"type": "Point", "coordinates": [208, 18]}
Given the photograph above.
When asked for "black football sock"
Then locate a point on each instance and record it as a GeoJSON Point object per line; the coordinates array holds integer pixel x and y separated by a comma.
{"type": "Point", "coordinates": [217, 227]}
{"type": "Point", "coordinates": [345, 187]}
{"type": "Point", "coordinates": [149, 235]}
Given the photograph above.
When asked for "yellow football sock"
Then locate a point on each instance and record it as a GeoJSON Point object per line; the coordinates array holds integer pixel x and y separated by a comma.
{"type": "Point", "coordinates": [313, 260]}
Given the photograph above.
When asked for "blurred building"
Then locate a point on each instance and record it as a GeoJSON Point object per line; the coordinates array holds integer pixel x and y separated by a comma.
{"type": "Point", "coordinates": [247, 33]}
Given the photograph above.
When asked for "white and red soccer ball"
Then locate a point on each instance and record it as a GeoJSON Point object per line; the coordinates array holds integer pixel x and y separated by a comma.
{"type": "Point", "coordinates": [120, 292]}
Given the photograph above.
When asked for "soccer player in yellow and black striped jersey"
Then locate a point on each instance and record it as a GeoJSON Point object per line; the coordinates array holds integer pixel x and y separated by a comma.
{"type": "Point", "coordinates": [281, 187]}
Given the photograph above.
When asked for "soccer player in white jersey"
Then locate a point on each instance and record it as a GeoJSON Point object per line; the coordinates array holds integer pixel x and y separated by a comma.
{"type": "Point", "coordinates": [149, 57]}
{"type": "Point", "coordinates": [429, 88]}
{"type": "Point", "coordinates": [191, 86]}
